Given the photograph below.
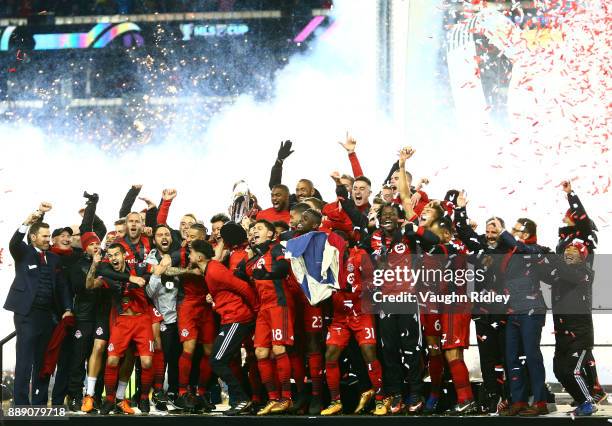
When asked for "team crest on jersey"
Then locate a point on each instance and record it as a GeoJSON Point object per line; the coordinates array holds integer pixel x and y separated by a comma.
{"type": "Point", "coordinates": [99, 331]}
{"type": "Point", "coordinates": [260, 263]}
{"type": "Point", "coordinates": [156, 312]}
{"type": "Point", "coordinates": [110, 347]}
{"type": "Point", "coordinates": [399, 248]}
{"type": "Point", "coordinates": [162, 327]}
{"type": "Point", "coordinates": [350, 278]}
{"type": "Point", "coordinates": [350, 267]}
{"type": "Point", "coordinates": [184, 332]}
{"type": "Point", "coordinates": [78, 334]}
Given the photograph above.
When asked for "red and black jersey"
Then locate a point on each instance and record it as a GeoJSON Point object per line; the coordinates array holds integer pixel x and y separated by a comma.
{"type": "Point", "coordinates": [236, 256]}
{"type": "Point", "coordinates": [273, 289]}
{"type": "Point", "coordinates": [357, 278]}
{"type": "Point", "coordinates": [272, 215]}
{"type": "Point", "coordinates": [136, 253]}
{"type": "Point", "coordinates": [126, 295]}
{"type": "Point", "coordinates": [193, 287]}
{"type": "Point", "coordinates": [234, 299]}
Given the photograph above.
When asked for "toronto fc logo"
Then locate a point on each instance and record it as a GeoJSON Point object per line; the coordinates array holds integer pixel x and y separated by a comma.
{"type": "Point", "coordinates": [78, 334]}
{"type": "Point", "coordinates": [110, 347]}
{"type": "Point", "coordinates": [260, 263]}
{"type": "Point", "coordinates": [399, 248]}
{"type": "Point", "coordinates": [99, 331]}
{"type": "Point", "coordinates": [184, 332]}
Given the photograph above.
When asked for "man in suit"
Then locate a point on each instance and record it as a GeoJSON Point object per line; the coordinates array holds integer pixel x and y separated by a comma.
{"type": "Point", "coordinates": [37, 291]}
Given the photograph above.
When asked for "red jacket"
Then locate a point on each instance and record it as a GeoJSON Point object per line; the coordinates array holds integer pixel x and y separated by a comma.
{"type": "Point", "coordinates": [234, 300]}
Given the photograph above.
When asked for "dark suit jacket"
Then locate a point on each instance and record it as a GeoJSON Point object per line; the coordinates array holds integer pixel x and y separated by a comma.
{"type": "Point", "coordinates": [27, 270]}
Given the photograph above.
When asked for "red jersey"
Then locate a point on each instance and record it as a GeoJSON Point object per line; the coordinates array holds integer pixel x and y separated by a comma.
{"type": "Point", "coordinates": [194, 286]}
{"type": "Point", "coordinates": [136, 253]}
{"type": "Point", "coordinates": [236, 256]}
{"type": "Point", "coordinates": [234, 300]}
{"type": "Point", "coordinates": [358, 275]}
{"type": "Point", "coordinates": [128, 296]}
{"type": "Point", "coordinates": [272, 291]}
{"type": "Point", "coordinates": [272, 215]}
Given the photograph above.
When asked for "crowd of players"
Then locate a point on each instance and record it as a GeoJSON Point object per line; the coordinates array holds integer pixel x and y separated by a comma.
{"type": "Point", "coordinates": [187, 306]}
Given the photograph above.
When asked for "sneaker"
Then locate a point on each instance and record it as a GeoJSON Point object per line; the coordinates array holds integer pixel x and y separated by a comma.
{"type": "Point", "coordinates": [599, 397]}
{"type": "Point", "coordinates": [466, 408]}
{"type": "Point", "coordinates": [160, 400]}
{"type": "Point", "coordinates": [537, 409]}
{"type": "Point", "coordinates": [74, 404]}
{"type": "Point", "coordinates": [87, 405]}
{"type": "Point", "coordinates": [107, 407]}
{"type": "Point", "coordinates": [240, 409]}
{"type": "Point", "coordinates": [431, 405]}
{"type": "Point", "coordinates": [315, 406]}
{"type": "Point", "coordinates": [282, 406]}
{"type": "Point", "coordinates": [416, 403]}
{"type": "Point", "coordinates": [185, 401]}
{"type": "Point", "coordinates": [144, 405]}
{"type": "Point", "coordinates": [383, 407]}
{"type": "Point", "coordinates": [585, 409]}
{"type": "Point", "coordinates": [123, 407]}
{"type": "Point", "coordinates": [364, 400]}
{"type": "Point", "coordinates": [397, 404]}
{"type": "Point", "coordinates": [334, 408]}
{"type": "Point", "coordinates": [267, 409]}
{"type": "Point", "coordinates": [513, 410]}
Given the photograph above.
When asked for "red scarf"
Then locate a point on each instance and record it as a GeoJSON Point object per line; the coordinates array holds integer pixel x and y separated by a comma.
{"type": "Point", "coordinates": [60, 251]}
{"type": "Point", "coordinates": [54, 346]}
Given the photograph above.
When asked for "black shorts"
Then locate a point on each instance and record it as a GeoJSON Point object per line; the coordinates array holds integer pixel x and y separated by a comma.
{"type": "Point", "coordinates": [102, 328]}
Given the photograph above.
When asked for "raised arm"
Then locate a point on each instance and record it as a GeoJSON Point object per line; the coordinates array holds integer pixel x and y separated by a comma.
{"type": "Point", "coordinates": [349, 145]}
{"type": "Point", "coordinates": [164, 209]}
{"type": "Point", "coordinates": [91, 222]}
{"type": "Point", "coordinates": [17, 246]}
{"type": "Point", "coordinates": [404, 187]}
{"type": "Point", "coordinates": [128, 201]}
{"type": "Point", "coordinates": [465, 232]}
{"type": "Point", "coordinates": [276, 174]}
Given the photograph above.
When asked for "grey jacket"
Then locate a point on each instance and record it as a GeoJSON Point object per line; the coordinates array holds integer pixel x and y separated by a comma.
{"type": "Point", "coordinates": [163, 291]}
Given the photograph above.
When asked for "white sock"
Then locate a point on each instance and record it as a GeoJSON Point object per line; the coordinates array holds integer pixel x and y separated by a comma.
{"type": "Point", "coordinates": [91, 385]}
{"type": "Point", "coordinates": [121, 390]}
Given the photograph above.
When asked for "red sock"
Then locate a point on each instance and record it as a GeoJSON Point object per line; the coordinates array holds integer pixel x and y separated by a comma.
{"type": "Point", "coordinates": [184, 372]}
{"type": "Point", "coordinates": [298, 371]}
{"type": "Point", "coordinates": [461, 380]}
{"type": "Point", "coordinates": [159, 369]}
{"type": "Point", "coordinates": [332, 372]}
{"type": "Point", "coordinates": [436, 369]}
{"type": "Point", "coordinates": [266, 370]}
{"type": "Point", "coordinates": [205, 374]}
{"type": "Point", "coordinates": [283, 366]}
{"type": "Point", "coordinates": [315, 363]}
{"type": "Point", "coordinates": [375, 374]}
{"type": "Point", "coordinates": [146, 380]}
{"type": "Point", "coordinates": [277, 382]}
{"type": "Point", "coordinates": [236, 368]}
{"type": "Point", "coordinates": [111, 375]}
{"type": "Point", "coordinates": [254, 379]}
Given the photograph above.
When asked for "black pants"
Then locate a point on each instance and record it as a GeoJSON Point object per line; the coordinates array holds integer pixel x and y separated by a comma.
{"type": "Point", "coordinates": [402, 343]}
{"type": "Point", "coordinates": [491, 350]}
{"type": "Point", "coordinates": [227, 344]}
{"type": "Point", "coordinates": [569, 366]}
{"type": "Point", "coordinates": [172, 348]}
{"type": "Point", "coordinates": [33, 334]}
{"type": "Point", "coordinates": [82, 344]}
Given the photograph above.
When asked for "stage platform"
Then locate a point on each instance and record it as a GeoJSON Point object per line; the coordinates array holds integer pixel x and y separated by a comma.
{"type": "Point", "coordinates": [603, 416]}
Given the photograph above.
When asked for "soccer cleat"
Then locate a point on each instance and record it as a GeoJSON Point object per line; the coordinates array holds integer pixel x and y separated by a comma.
{"type": "Point", "coordinates": [364, 400]}
{"type": "Point", "coordinates": [585, 409]}
{"type": "Point", "coordinates": [185, 401]}
{"type": "Point", "coordinates": [513, 410]}
{"type": "Point", "coordinates": [144, 405]}
{"type": "Point", "coordinates": [383, 407]}
{"type": "Point", "coordinates": [160, 400]}
{"type": "Point", "coordinates": [503, 404]}
{"type": "Point", "coordinates": [282, 406]}
{"type": "Point", "coordinates": [431, 405]}
{"type": "Point", "coordinates": [314, 408]}
{"type": "Point", "coordinates": [397, 404]}
{"type": "Point", "coordinates": [465, 408]}
{"type": "Point", "coordinates": [74, 404]}
{"type": "Point", "coordinates": [416, 403]}
{"type": "Point", "coordinates": [87, 405]}
{"type": "Point", "coordinates": [240, 409]}
{"type": "Point", "coordinates": [107, 407]}
{"type": "Point", "coordinates": [334, 408]}
{"type": "Point", "coordinates": [203, 405]}
{"type": "Point", "coordinates": [267, 409]}
{"type": "Point", "coordinates": [123, 407]}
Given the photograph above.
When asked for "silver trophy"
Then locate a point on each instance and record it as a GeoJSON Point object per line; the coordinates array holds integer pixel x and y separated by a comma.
{"type": "Point", "coordinates": [242, 202]}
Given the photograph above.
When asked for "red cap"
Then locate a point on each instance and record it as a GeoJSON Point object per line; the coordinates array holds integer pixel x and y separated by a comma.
{"type": "Point", "coordinates": [582, 248]}
{"type": "Point", "coordinates": [87, 238]}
